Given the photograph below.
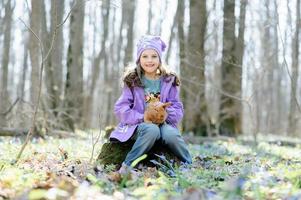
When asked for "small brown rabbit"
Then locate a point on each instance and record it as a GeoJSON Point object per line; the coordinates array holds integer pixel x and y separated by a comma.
{"type": "Point", "coordinates": [156, 112]}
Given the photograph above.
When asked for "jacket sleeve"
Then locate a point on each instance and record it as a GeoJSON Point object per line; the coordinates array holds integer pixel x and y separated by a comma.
{"type": "Point", "coordinates": [123, 108]}
{"type": "Point", "coordinates": [176, 110]}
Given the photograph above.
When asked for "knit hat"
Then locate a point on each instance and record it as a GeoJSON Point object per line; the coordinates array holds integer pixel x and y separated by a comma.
{"type": "Point", "coordinates": [150, 42]}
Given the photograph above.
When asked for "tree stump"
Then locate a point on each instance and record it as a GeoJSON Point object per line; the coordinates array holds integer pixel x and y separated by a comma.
{"type": "Point", "coordinates": [114, 152]}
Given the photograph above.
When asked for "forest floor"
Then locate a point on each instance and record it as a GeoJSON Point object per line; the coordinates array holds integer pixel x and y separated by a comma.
{"type": "Point", "coordinates": [222, 169]}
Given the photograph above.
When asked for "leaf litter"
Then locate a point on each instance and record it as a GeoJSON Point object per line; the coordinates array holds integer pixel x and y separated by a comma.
{"type": "Point", "coordinates": [60, 169]}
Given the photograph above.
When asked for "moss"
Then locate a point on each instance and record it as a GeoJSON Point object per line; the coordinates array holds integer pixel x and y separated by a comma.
{"type": "Point", "coordinates": [115, 153]}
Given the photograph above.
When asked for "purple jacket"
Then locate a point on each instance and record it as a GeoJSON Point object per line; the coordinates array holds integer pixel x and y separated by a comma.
{"type": "Point", "coordinates": [129, 108]}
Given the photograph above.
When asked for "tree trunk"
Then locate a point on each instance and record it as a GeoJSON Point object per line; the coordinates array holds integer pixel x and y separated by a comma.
{"type": "Point", "coordinates": [100, 60]}
{"type": "Point", "coordinates": [182, 53]}
{"type": "Point", "coordinates": [195, 117]}
{"type": "Point", "coordinates": [231, 75]}
{"type": "Point", "coordinates": [127, 25]}
{"type": "Point", "coordinates": [130, 9]}
{"type": "Point", "coordinates": [34, 49]}
{"type": "Point", "coordinates": [93, 76]}
{"type": "Point", "coordinates": [55, 88]}
{"type": "Point", "coordinates": [264, 92]}
{"type": "Point", "coordinates": [295, 111]}
{"type": "Point", "coordinates": [46, 100]}
{"type": "Point", "coordinates": [4, 95]}
{"type": "Point", "coordinates": [240, 46]}
{"type": "Point", "coordinates": [106, 81]}
{"type": "Point", "coordinates": [150, 16]}
{"type": "Point", "coordinates": [270, 86]}
{"type": "Point", "coordinates": [120, 37]}
{"type": "Point", "coordinates": [74, 81]}
{"type": "Point", "coordinates": [172, 37]}
{"type": "Point", "coordinates": [45, 37]}
{"type": "Point", "coordinates": [213, 78]}
{"type": "Point", "coordinates": [277, 98]}
{"type": "Point", "coordinates": [115, 72]}
{"type": "Point", "coordinates": [21, 119]}
{"type": "Point", "coordinates": [163, 9]}
{"type": "Point", "coordinates": [53, 65]}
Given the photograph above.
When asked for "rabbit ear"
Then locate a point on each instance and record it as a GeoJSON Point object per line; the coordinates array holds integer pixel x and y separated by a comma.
{"type": "Point", "coordinates": [167, 104]}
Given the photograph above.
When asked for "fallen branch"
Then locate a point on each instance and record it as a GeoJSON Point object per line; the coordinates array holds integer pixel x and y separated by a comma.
{"type": "Point", "coordinates": [13, 132]}
{"type": "Point", "coordinates": [19, 132]}
{"type": "Point", "coordinates": [61, 134]}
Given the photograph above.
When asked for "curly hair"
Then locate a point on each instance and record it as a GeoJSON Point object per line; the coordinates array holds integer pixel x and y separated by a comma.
{"type": "Point", "coordinates": [133, 75]}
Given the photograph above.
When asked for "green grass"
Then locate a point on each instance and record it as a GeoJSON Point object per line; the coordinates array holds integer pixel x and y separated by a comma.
{"type": "Point", "coordinates": [221, 170]}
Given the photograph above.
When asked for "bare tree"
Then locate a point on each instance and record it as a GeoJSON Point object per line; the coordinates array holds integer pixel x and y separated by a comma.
{"type": "Point", "coordinates": [74, 78]}
{"type": "Point", "coordinates": [54, 75]}
{"type": "Point", "coordinates": [4, 94]}
{"type": "Point", "coordinates": [262, 102]}
{"type": "Point", "coordinates": [294, 113]}
{"type": "Point", "coordinates": [115, 71]}
{"type": "Point", "coordinates": [239, 52]}
{"type": "Point", "coordinates": [270, 83]}
{"type": "Point", "coordinates": [172, 35]}
{"type": "Point", "coordinates": [232, 59]}
{"type": "Point", "coordinates": [121, 28]}
{"type": "Point", "coordinates": [100, 62]}
{"type": "Point", "coordinates": [34, 51]}
{"type": "Point", "coordinates": [213, 74]}
{"type": "Point", "coordinates": [93, 73]}
{"type": "Point", "coordinates": [53, 65]}
{"type": "Point", "coordinates": [277, 99]}
{"type": "Point", "coordinates": [239, 49]}
{"type": "Point", "coordinates": [129, 25]}
{"type": "Point", "coordinates": [231, 74]}
{"type": "Point", "coordinates": [193, 73]}
{"type": "Point", "coordinates": [21, 86]}
{"type": "Point", "coordinates": [180, 22]}
{"type": "Point", "coordinates": [150, 16]}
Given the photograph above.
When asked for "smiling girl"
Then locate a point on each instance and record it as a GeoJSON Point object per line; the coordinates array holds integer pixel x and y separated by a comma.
{"type": "Point", "coordinates": [148, 80]}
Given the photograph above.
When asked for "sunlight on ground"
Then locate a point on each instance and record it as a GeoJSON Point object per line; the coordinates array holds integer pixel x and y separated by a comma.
{"type": "Point", "coordinates": [60, 169]}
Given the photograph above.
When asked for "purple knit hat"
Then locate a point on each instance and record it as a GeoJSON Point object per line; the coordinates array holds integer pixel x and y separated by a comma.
{"type": "Point", "coordinates": [150, 42]}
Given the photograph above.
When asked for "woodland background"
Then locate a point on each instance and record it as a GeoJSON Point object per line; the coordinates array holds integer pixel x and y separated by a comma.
{"type": "Point", "coordinates": [238, 61]}
{"type": "Point", "coordinates": [239, 64]}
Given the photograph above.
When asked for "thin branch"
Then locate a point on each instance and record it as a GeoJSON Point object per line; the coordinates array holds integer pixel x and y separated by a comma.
{"type": "Point", "coordinates": [288, 72]}
{"type": "Point", "coordinates": [69, 13]}
{"type": "Point", "coordinates": [94, 142]}
{"type": "Point", "coordinates": [10, 108]}
{"type": "Point", "coordinates": [30, 132]}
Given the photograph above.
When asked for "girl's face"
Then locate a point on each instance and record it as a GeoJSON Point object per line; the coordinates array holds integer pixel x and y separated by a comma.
{"type": "Point", "coordinates": [149, 61]}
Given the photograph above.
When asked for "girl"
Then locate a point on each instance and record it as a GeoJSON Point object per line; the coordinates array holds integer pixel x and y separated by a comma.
{"type": "Point", "coordinates": [148, 80]}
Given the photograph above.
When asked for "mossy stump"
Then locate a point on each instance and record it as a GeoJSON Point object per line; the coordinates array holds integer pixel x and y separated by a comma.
{"type": "Point", "coordinates": [114, 152]}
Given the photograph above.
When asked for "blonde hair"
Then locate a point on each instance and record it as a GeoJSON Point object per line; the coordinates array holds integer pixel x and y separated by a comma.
{"type": "Point", "coordinates": [132, 76]}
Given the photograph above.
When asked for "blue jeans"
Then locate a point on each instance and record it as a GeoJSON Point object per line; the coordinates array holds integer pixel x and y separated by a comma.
{"type": "Point", "coordinates": [147, 134]}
